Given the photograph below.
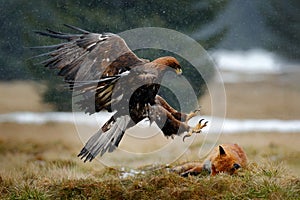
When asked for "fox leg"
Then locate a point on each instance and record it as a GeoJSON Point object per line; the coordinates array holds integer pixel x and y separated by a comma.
{"type": "Point", "coordinates": [191, 168]}
{"type": "Point", "coordinates": [193, 172]}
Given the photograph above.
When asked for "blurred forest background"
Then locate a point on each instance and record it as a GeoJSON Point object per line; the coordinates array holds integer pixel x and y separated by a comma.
{"type": "Point", "coordinates": [213, 23]}
{"type": "Point", "coordinates": [255, 44]}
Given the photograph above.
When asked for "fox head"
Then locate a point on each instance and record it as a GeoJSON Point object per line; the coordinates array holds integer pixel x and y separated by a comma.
{"type": "Point", "coordinates": [225, 163]}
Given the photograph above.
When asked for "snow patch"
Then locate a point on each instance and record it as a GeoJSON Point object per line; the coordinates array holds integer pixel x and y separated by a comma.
{"type": "Point", "coordinates": [271, 125]}
{"type": "Point", "coordinates": [254, 61]}
{"type": "Point", "coordinates": [229, 125]}
{"type": "Point", "coordinates": [249, 125]}
{"type": "Point", "coordinates": [130, 173]}
{"type": "Point", "coordinates": [56, 117]}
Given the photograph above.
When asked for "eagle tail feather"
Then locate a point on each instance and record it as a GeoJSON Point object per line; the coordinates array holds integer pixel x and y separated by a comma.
{"type": "Point", "coordinates": [102, 142]}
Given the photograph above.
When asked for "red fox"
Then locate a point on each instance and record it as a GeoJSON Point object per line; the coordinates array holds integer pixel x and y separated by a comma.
{"type": "Point", "coordinates": [225, 158]}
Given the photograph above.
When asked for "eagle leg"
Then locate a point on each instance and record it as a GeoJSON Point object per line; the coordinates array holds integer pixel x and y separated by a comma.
{"type": "Point", "coordinates": [192, 114]}
{"type": "Point", "coordinates": [196, 129]}
{"type": "Point", "coordinates": [183, 117]}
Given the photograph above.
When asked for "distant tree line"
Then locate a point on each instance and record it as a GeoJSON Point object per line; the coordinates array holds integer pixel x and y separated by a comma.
{"type": "Point", "coordinates": [18, 19]}
{"type": "Point", "coordinates": [283, 19]}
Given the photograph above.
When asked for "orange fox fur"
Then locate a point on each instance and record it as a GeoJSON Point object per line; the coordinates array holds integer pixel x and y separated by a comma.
{"type": "Point", "coordinates": [225, 158]}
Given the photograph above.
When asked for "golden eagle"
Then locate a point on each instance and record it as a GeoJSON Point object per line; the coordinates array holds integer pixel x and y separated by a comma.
{"type": "Point", "coordinates": [107, 75]}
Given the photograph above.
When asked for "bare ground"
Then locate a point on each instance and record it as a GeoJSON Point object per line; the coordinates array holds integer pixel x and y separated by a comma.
{"type": "Point", "coordinates": [21, 96]}
{"type": "Point", "coordinates": [277, 97]}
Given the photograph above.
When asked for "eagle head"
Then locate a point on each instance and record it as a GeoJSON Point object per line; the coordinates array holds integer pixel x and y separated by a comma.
{"type": "Point", "coordinates": [170, 62]}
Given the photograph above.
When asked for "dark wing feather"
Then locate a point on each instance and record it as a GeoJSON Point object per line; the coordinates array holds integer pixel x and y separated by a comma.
{"type": "Point", "coordinates": [86, 58]}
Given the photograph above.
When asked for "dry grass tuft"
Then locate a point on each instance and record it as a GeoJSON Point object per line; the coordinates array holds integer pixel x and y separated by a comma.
{"type": "Point", "coordinates": [45, 166]}
{"type": "Point", "coordinates": [267, 181]}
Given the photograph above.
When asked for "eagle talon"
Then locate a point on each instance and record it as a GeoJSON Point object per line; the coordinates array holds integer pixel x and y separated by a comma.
{"type": "Point", "coordinates": [187, 135]}
{"type": "Point", "coordinates": [196, 129]}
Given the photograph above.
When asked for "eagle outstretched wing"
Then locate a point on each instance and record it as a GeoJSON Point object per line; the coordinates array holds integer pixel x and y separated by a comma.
{"type": "Point", "coordinates": [106, 74]}
{"type": "Point", "coordinates": [86, 58]}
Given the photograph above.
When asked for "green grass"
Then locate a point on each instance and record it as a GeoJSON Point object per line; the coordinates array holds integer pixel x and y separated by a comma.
{"type": "Point", "coordinates": [266, 181]}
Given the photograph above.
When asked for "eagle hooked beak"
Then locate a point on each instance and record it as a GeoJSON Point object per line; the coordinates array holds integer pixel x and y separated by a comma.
{"type": "Point", "coordinates": [178, 71]}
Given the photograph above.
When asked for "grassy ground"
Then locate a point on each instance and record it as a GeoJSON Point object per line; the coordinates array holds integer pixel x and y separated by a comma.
{"type": "Point", "coordinates": [39, 161]}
